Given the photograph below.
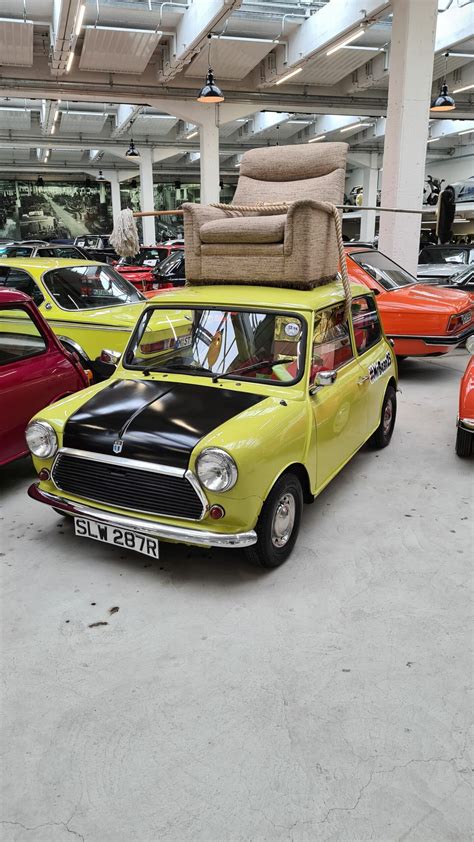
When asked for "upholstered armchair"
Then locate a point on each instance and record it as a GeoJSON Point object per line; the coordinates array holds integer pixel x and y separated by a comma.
{"type": "Point", "coordinates": [295, 248]}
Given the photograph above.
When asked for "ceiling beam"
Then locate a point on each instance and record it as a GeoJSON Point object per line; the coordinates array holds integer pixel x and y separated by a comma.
{"type": "Point", "coordinates": [454, 26]}
{"type": "Point", "coordinates": [199, 19]}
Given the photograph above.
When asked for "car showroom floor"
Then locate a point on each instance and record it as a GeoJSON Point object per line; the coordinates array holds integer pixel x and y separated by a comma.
{"type": "Point", "coordinates": [196, 699]}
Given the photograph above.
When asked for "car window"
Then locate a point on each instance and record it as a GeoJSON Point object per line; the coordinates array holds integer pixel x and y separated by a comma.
{"type": "Point", "coordinates": [20, 338]}
{"type": "Point", "coordinates": [86, 287]}
{"type": "Point", "coordinates": [332, 345]}
{"type": "Point", "coordinates": [45, 252]}
{"type": "Point", "coordinates": [20, 280]}
{"type": "Point", "coordinates": [383, 270]}
{"type": "Point", "coordinates": [19, 251]}
{"type": "Point", "coordinates": [66, 252]}
{"type": "Point", "coordinates": [365, 319]}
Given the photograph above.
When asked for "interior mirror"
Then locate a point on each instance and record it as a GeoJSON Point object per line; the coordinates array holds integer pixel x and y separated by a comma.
{"type": "Point", "coordinates": [110, 357]}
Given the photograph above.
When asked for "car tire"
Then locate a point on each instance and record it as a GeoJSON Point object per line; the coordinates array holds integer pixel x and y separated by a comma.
{"type": "Point", "coordinates": [278, 524]}
{"type": "Point", "coordinates": [463, 442]}
{"type": "Point", "coordinates": [383, 434]}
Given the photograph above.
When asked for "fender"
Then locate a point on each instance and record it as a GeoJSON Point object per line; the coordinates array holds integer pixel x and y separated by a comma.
{"type": "Point", "coordinates": [75, 346]}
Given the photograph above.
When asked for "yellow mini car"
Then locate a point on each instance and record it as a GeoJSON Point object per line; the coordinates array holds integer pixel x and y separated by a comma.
{"type": "Point", "coordinates": [88, 305]}
{"type": "Point", "coordinates": [257, 405]}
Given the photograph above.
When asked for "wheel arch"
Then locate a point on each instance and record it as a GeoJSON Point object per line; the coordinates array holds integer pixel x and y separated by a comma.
{"type": "Point", "coordinates": [300, 471]}
{"type": "Point", "coordinates": [74, 346]}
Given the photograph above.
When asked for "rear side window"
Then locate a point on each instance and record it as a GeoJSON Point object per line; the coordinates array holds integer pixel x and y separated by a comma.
{"type": "Point", "coordinates": [332, 346]}
{"type": "Point", "coordinates": [20, 280]}
{"type": "Point", "coordinates": [367, 330]}
{"type": "Point", "coordinates": [19, 336]}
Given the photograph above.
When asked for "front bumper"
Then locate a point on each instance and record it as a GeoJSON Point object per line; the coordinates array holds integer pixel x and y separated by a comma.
{"type": "Point", "coordinates": [466, 424]}
{"type": "Point", "coordinates": [180, 534]}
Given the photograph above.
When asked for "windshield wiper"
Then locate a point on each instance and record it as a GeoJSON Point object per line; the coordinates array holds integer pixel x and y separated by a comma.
{"type": "Point", "coordinates": [253, 367]}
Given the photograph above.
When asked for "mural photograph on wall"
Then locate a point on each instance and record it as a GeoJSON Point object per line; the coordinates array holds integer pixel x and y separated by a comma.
{"type": "Point", "coordinates": [53, 210]}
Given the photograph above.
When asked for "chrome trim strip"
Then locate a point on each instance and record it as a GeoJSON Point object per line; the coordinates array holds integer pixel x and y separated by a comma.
{"type": "Point", "coordinates": [197, 537]}
{"type": "Point", "coordinates": [135, 464]}
{"type": "Point", "coordinates": [466, 424]}
{"type": "Point", "coordinates": [75, 345]}
{"type": "Point", "coordinates": [120, 461]}
{"type": "Point", "coordinates": [451, 339]}
{"type": "Point", "coordinates": [81, 326]}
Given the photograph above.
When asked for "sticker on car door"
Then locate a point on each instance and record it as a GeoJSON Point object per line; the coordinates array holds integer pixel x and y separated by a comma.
{"type": "Point", "coordinates": [379, 368]}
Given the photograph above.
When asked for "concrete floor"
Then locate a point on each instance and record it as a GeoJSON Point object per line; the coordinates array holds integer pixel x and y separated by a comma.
{"type": "Point", "coordinates": [324, 701]}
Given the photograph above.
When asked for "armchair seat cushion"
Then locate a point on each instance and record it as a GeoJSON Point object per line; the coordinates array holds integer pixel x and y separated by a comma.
{"type": "Point", "coordinates": [244, 229]}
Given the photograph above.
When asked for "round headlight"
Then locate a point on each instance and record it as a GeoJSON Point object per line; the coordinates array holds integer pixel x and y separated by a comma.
{"type": "Point", "coordinates": [470, 344]}
{"type": "Point", "coordinates": [41, 439]}
{"type": "Point", "coordinates": [216, 470]}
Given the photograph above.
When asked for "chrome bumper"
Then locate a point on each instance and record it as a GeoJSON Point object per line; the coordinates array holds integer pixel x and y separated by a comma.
{"type": "Point", "coordinates": [183, 535]}
{"type": "Point", "coordinates": [466, 424]}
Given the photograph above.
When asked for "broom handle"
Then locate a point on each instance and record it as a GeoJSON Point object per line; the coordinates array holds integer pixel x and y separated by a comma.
{"type": "Point", "coordinates": [179, 212]}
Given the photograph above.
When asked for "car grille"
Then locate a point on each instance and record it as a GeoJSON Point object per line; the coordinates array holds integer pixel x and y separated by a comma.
{"type": "Point", "coordinates": [129, 488]}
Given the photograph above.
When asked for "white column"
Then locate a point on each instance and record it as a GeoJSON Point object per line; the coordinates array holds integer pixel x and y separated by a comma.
{"type": "Point", "coordinates": [209, 148]}
{"type": "Point", "coordinates": [146, 195]}
{"type": "Point", "coordinates": [102, 194]}
{"type": "Point", "coordinates": [115, 192]}
{"type": "Point", "coordinates": [411, 70]}
{"type": "Point", "coordinates": [370, 177]}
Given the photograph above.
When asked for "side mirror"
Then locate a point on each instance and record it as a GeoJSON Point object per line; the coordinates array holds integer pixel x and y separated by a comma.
{"type": "Point", "coordinates": [323, 378]}
{"type": "Point", "coordinates": [110, 357]}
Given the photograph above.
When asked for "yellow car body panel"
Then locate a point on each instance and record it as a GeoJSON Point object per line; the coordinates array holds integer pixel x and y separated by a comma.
{"type": "Point", "coordinates": [318, 433]}
{"type": "Point", "coordinates": [90, 329]}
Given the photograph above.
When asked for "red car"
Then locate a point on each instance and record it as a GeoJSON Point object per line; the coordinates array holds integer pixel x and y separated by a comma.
{"type": "Point", "coordinates": [139, 269]}
{"type": "Point", "coordinates": [35, 370]}
{"type": "Point", "coordinates": [422, 320]}
{"type": "Point", "coordinates": [465, 431]}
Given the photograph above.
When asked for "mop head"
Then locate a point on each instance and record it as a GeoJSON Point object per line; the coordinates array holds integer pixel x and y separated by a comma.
{"type": "Point", "coordinates": [124, 237]}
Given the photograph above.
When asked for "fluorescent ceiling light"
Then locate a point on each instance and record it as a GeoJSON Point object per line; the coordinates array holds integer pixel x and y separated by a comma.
{"type": "Point", "coordinates": [314, 139]}
{"type": "Point", "coordinates": [130, 29]}
{"type": "Point", "coordinates": [347, 40]}
{"type": "Point", "coordinates": [80, 18]}
{"type": "Point", "coordinates": [466, 131]}
{"type": "Point", "coordinates": [289, 75]}
{"type": "Point", "coordinates": [305, 122]}
{"type": "Point", "coordinates": [243, 120]}
{"type": "Point", "coordinates": [70, 61]}
{"type": "Point", "coordinates": [157, 116]}
{"type": "Point", "coordinates": [356, 126]}
{"type": "Point", "coordinates": [88, 113]}
{"type": "Point", "coordinates": [193, 134]}
{"type": "Point", "coordinates": [433, 139]}
{"type": "Point", "coordinates": [466, 88]}
{"type": "Point", "coordinates": [53, 129]}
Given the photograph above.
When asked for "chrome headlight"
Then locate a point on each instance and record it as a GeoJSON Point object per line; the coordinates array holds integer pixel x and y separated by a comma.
{"type": "Point", "coordinates": [216, 470]}
{"type": "Point", "coordinates": [41, 439]}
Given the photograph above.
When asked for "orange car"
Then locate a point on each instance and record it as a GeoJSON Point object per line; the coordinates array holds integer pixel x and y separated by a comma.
{"type": "Point", "coordinates": [465, 432]}
{"type": "Point", "coordinates": [422, 320]}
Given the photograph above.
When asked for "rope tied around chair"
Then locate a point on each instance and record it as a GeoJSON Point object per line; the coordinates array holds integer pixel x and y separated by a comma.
{"type": "Point", "coordinates": [269, 208]}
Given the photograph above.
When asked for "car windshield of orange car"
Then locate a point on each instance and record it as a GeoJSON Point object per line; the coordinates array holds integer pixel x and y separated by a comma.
{"type": "Point", "coordinates": [87, 287]}
{"type": "Point", "coordinates": [235, 344]}
{"type": "Point", "coordinates": [383, 270]}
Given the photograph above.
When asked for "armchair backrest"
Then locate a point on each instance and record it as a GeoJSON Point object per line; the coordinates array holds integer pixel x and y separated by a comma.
{"type": "Point", "coordinates": [290, 173]}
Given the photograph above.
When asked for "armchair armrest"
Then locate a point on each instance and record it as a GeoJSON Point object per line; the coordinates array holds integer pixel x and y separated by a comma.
{"type": "Point", "coordinates": [196, 215]}
{"type": "Point", "coordinates": [303, 219]}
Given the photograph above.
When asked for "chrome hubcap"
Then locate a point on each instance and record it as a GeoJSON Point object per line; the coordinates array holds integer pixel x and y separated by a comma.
{"type": "Point", "coordinates": [387, 418]}
{"type": "Point", "coordinates": [283, 520]}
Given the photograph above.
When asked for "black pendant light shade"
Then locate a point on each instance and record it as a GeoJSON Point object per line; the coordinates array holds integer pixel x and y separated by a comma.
{"type": "Point", "coordinates": [100, 177]}
{"type": "Point", "coordinates": [39, 182]}
{"type": "Point", "coordinates": [443, 102]}
{"type": "Point", "coordinates": [210, 92]}
{"type": "Point", "coordinates": [131, 151]}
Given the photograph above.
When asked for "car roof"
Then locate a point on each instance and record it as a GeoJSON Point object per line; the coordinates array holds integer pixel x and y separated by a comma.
{"type": "Point", "coordinates": [12, 296]}
{"type": "Point", "coordinates": [265, 297]}
{"type": "Point", "coordinates": [45, 263]}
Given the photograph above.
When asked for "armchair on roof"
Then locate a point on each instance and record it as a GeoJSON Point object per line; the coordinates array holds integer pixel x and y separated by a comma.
{"type": "Point", "coordinates": [297, 248]}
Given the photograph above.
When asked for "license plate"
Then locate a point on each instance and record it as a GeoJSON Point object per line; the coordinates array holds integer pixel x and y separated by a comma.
{"type": "Point", "coordinates": [465, 318]}
{"type": "Point", "coordinates": [127, 539]}
{"type": "Point", "coordinates": [183, 341]}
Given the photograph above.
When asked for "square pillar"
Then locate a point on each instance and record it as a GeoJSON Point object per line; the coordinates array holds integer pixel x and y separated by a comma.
{"type": "Point", "coordinates": [146, 195]}
{"type": "Point", "coordinates": [115, 193]}
{"type": "Point", "coordinates": [209, 149]}
{"type": "Point", "coordinates": [409, 94]}
{"type": "Point", "coordinates": [370, 177]}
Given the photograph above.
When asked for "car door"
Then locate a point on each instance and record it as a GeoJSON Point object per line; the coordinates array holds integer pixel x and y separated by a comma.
{"type": "Point", "coordinates": [18, 279]}
{"type": "Point", "coordinates": [373, 356]}
{"type": "Point", "coordinates": [339, 411]}
{"type": "Point", "coordinates": [25, 378]}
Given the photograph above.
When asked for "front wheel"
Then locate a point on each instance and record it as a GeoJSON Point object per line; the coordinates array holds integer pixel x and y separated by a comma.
{"type": "Point", "coordinates": [464, 442]}
{"type": "Point", "coordinates": [383, 434]}
{"type": "Point", "coordinates": [278, 524]}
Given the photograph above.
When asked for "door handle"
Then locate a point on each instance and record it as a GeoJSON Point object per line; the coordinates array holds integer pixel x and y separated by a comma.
{"type": "Point", "coordinates": [363, 380]}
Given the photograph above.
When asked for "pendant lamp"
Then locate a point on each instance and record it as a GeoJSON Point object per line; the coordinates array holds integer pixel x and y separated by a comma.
{"type": "Point", "coordinates": [132, 152]}
{"type": "Point", "coordinates": [210, 92]}
{"type": "Point", "coordinates": [444, 102]}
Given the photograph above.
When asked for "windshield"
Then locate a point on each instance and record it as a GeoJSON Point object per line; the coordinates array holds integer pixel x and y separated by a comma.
{"type": "Point", "coordinates": [383, 270]}
{"type": "Point", "coordinates": [444, 255]}
{"type": "Point", "coordinates": [86, 287]}
{"type": "Point", "coordinates": [240, 344]}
